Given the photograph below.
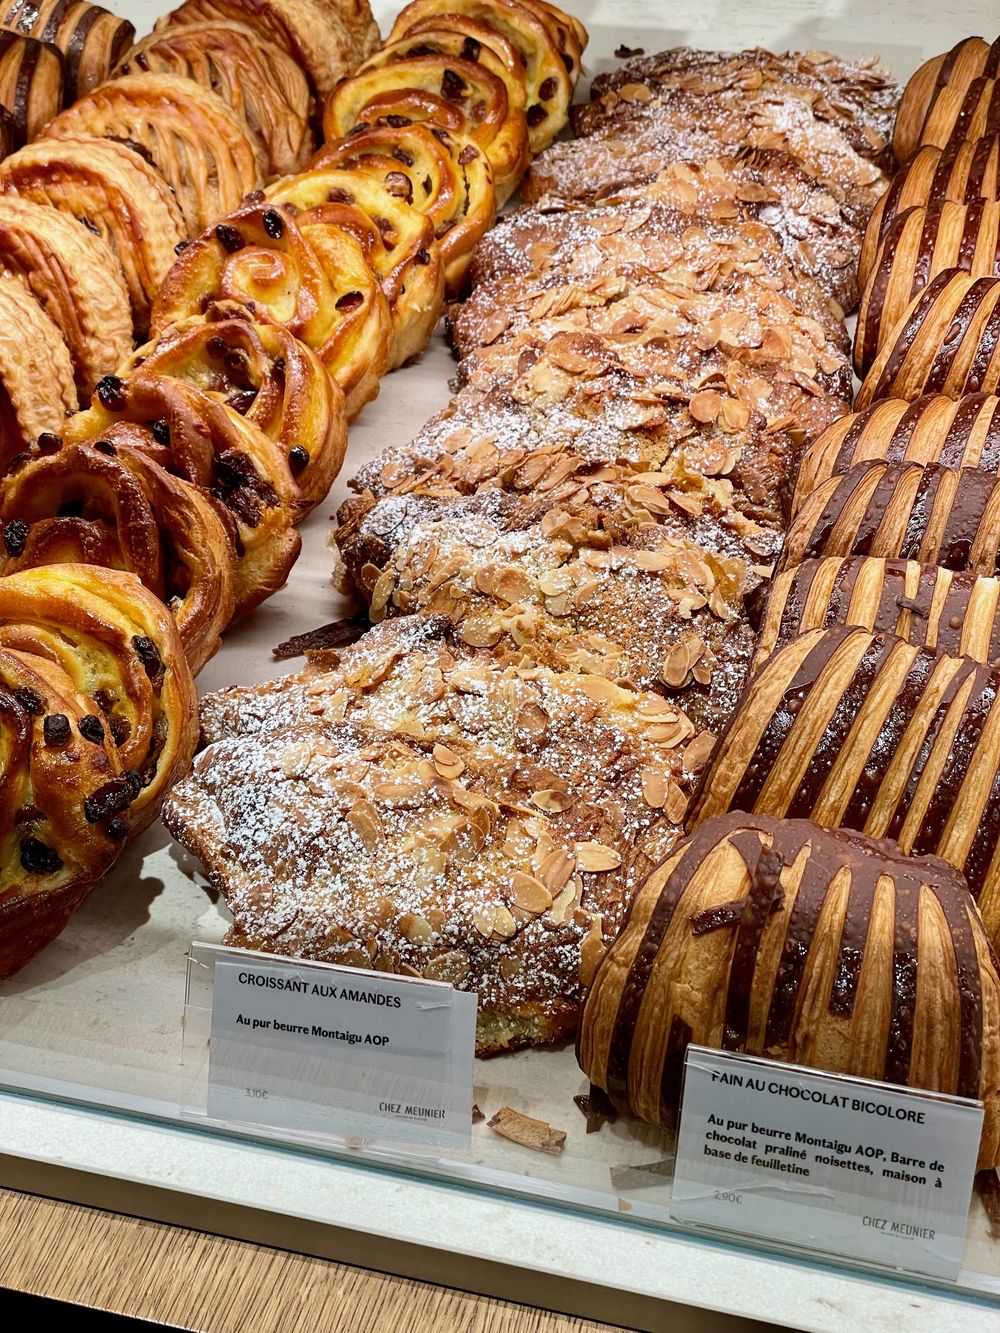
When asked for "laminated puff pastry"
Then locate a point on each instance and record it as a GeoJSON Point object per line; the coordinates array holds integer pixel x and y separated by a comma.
{"type": "Point", "coordinates": [109, 502]}
{"type": "Point", "coordinates": [259, 81]}
{"type": "Point", "coordinates": [268, 376]}
{"type": "Point", "coordinates": [549, 73]}
{"type": "Point", "coordinates": [92, 39]}
{"type": "Point", "coordinates": [947, 340]}
{"type": "Point", "coordinates": [120, 647]}
{"type": "Point", "coordinates": [477, 99]}
{"type": "Point", "coordinates": [773, 937]}
{"type": "Point", "coordinates": [858, 97]}
{"type": "Point", "coordinates": [448, 179]}
{"type": "Point", "coordinates": [398, 240]}
{"type": "Point", "coordinates": [958, 612]}
{"type": "Point", "coordinates": [116, 194]}
{"type": "Point", "coordinates": [920, 244]}
{"type": "Point", "coordinates": [432, 812]}
{"type": "Point", "coordinates": [312, 278]}
{"type": "Point", "coordinates": [208, 444]}
{"type": "Point", "coordinates": [944, 98]}
{"type": "Point", "coordinates": [54, 764]}
{"type": "Point", "coordinates": [31, 84]}
{"type": "Point", "coordinates": [866, 731]}
{"type": "Point", "coordinates": [36, 375]}
{"type": "Point", "coordinates": [76, 279]}
{"type": "Point", "coordinates": [199, 146]}
{"type": "Point", "coordinates": [910, 511]}
{"type": "Point", "coordinates": [326, 40]}
{"type": "Point", "coordinates": [954, 432]}
{"type": "Point", "coordinates": [962, 171]}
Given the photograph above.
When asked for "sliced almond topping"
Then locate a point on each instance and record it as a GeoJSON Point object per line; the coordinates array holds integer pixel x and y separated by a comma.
{"type": "Point", "coordinates": [364, 820]}
{"type": "Point", "coordinates": [675, 806]}
{"type": "Point", "coordinates": [530, 893]}
{"type": "Point", "coordinates": [564, 903]}
{"type": "Point", "coordinates": [452, 966]}
{"type": "Point", "coordinates": [696, 755]}
{"type": "Point", "coordinates": [592, 950]}
{"type": "Point", "coordinates": [446, 762]}
{"type": "Point", "coordinates": [415, 928]}
{"type": "Point", "coordinates": [555, 870]}
{"type": "Point", "coordinates": [528, 1132]}
{"type": "Point", "coordinates": [595, 856]}
{"type": "Point", "coordinates": [654, 788]}
{"type": "Point", "coordinates": [705, 406]}
{"type": "Point", "coordinates": [552, 800]}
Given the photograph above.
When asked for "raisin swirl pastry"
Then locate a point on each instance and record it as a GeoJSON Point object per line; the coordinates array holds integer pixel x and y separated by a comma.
{"type": "Point", "coordinates": [869, 732]}
{"type": "Point", "coordinates": [209, 445]}
{"type": "Point", "coordinates": [76, 279]}
{"type": "Point", "coordinates": [549, 73]}
{"type": "Point", "coordinates": [777, 938]}
{"type": "Point", "coordinates": [31, 84]}
{"type": "Point", "coordinates": [120, 647]}
{"type": "Point", "coordinates": [108, 502]}
{"type": "Point", "coordinates": [944, 98]}
{"type": "Point", "coordinates": [327, 41]}
{"type": "Point", "coordinates": [117, 194]}
{"type": "Point", "coordinates": [920, 244]}
{"type": "Point", "coordinates": [259, 81]}
{"type": "Point", "coordinates": [448, 179]}
{"type": "Point", "coordinates": [946, 341]}
{"type": "Point", "coordinates": [923, 604]}
{"type": "Point", "coordinates": [36, 374]}
{"type": "Point", "coordinates": [54, 762]}
{"type": "Point", "coordinates": [92, 39]}
{"type": "Point", "coordinates": [962, 171]}
{"type": "Point", "coordinates": [268, 376]}
{"type": "Point", "coordinates": [909, 511]}
{"type": "Point", "coordinates": [425, 76]}
{"type": "Point", "coordinates": [190, 135]}
{"type": "Point", "coordinates": [399, 243]}
{"type": "Point", "coordinates": [311, 277]}
{"type": "Point", "coordinates": [957, 433]}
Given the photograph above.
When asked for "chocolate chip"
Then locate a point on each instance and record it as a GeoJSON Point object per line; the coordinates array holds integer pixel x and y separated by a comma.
{"type": "Point", "coordinates": [350, 301]}
{"type": "Point", "coordinates": [298, 458]}
{"type": "Point", "coordinates": [471, 49]}
{"type": "Point", "coordinates": [56, 729]}
{"type": "Point", "coordinates": [547, 90]}
{"type": "Point", "coordinates": [274, 224]}
{"type": "Point", "coordinates": [339, 195]}
{"type": "Point", "coordinates": [180, 246]}
{"type": "Point", "coordinates": [15, 536]}
{"type": "Point", "coordinates": [160, 431]}
{"type": "Point", "coordinates": [92, 728]}
{"type": "Point", "coordinates": [29, 700]}
{"type": "Point", "coordinates": [110, 393]}
{"type": "Point", "coordinates": [117, 828]}
{"type": "Point", "coordinates": [105, 447]}
{"type": "Point", "coordinates": [468, 154]}
{"type": "Point", "coordinates": [110, 799]}
{"type": "Point", "coordinates": [149, 655]}
{"type": "Point", "coordinates": [535, 114]}
{"type": "Point", "coordinates": [453, 86]}
{"type": "Point", "coordinates": [38, 859]}
{"type": "Point", "coordinates": [229, 238]}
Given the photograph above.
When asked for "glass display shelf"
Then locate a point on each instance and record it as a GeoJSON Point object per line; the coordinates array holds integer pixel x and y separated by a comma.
{"type": "Point", "coordinates": [100, 1082]}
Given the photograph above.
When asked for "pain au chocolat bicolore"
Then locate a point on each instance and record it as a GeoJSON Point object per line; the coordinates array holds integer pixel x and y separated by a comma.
{"type": "Point", "coordinates": [775, 937]}
{"type": "Point", "coordinates": [860, 730]}
{"type": "Point", "coordinates": [951, 96]}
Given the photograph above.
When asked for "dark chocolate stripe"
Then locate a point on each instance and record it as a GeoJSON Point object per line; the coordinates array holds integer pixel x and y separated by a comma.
{"type": "Point", "coordinates": [954, 451]}
{"type": "Point", "coordinates": [971, 227]}
{"type": "Point", "coordinates": [764, 866]}
{"type": "Point", "coordinates": [954, 339]}
{"type": "Point", "coordinates": [904, 342]}
{"type": "Point", "coordinates": [877, 286]}
{"type": "Point", "coordinates": [992, 67]}
{"type": "Point", "coordinates": [865, 875]}
{"type": "Point", "coordinates": [799, 934]}
{"type": "Point", "coordinates": [678, 1041]}
{"type": "Point", "coordinates": [908, 543]}
{"type": "Point", "coordinates": [954, 611]}
{"type": "Point", "coordinates": [970, 995]}
{"type": "Point", "coordinates": [902, 1014]}
{"type": "Point", "coordinates": [30, 54]}
{"type": "Point", "coordinates": [842, 496]}
{"type": "Point", "coordinates": [983, 168]}
{"type": "Point", "coordinates": [949, 787]}
{"type": "Point", "coordinates": [948, 64]}
{"type": "Point", "coordinates": [988, 346]}
{"type": "Point", "coordinates": [966, 522]}
{"type": "Point", "coordinates": [977, 862]}
{"type": "Point", "coordinates": [75, 48]}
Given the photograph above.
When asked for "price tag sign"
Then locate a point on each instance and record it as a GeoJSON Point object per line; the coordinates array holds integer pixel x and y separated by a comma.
{"type": "Point", "coordinates": [337, 1052]}
{"type": "Point", "coordinates": [845, 1166]}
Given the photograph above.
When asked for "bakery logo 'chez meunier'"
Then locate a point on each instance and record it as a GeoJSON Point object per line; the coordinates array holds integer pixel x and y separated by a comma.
{"type": "Point", "coordinates": [324, 989]}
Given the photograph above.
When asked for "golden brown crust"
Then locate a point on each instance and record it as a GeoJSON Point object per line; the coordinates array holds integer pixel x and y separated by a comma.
{"type": "Point", "coordinates": [117, 194]}
{"type": "Point", "coordinates": [268, 376]}
{"type": "Point", "coordinates": [949, 96]}
{"type": "Point", "coordinates": [328, 41]}
{"type": "Point", "coordinates": [212, 447]}
{"type": "Point", "coordinates": [194, 140]}
{"type": "Point", "coordinates": [36, 374]}
{"type": "Point", "coordinates": [893, 739]}
{"type": "Point", "coordinates": [777, 938]}
{"type": "Point", "coordinates": [76, 279]}
{"type": "Point", "coordinates": [136, 516]}
{"type": "Point", "coordinates": [31, 84]}
{"type": "Point", "coordinates": [430, 770]}
{"type": "Point", "coordinates": [92, 39]}
{"type": "Point", "coordinates": [312, 278]}
{"type": "Point", "coordinates": [119, 645]}
{"type": "Point", "coordinates": [260, 82]}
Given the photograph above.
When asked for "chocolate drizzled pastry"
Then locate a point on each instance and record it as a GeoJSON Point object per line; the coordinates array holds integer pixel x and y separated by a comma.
{"type": "Point", "coordinates": [825, 948]}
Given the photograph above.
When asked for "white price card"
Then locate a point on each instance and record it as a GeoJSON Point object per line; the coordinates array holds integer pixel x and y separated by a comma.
{"type": "Point", "coordinates": [843, 1166]}
{"type": "Point", "coordinates": [337, 1052]}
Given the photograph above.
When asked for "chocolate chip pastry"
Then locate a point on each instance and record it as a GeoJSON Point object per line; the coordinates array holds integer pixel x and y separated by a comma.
{"type": "Point", "coordinates": [777, 938]}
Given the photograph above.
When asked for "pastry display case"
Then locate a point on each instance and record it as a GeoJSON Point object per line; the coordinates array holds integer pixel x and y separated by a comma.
{"type": "Point", "coordinates": [554, 1193]}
